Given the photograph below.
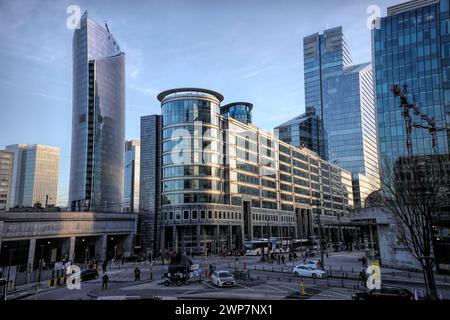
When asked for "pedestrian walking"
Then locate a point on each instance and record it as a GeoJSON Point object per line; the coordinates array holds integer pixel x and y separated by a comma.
{"type": "Point", "coordinates": [137, 274]}
{"type": "Point", "coordinates": [364, 262]}
{"type": "Point", "coordinates": [104, 265]}
{"type": "Point", "coordinates": [105, 280]}
{"type": "Point", "coordinates": [295, 256]}
{"type": "Point", "coordinates": [283, 259]}
{"type": "Point", "coordinates": [211, 269]}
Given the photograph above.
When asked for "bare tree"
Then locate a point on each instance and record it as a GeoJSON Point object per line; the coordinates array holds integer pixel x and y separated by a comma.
{"type": "Point", "coordinates": [414, 190]}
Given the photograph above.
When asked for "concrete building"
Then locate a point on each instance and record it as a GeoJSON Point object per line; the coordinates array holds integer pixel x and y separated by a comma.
{"type": "Point", "coordinates": [35, 175]}
{"type": "Point", "coordinates": [224, 180]}
{"type": "Point", "coordinates": [80, 237]}
{"type": "Point", "coordinates": [6, 172]}
{"type": "Point", "coordinates": [132, 175]}
{"type": "Point", "coordinates": [342, 94]}
{"type": "Point", "coordinates": [98, 120]}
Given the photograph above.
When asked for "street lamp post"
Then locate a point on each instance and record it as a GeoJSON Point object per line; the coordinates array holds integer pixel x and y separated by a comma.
{"type": "Point", "coordinates": [321, 239]}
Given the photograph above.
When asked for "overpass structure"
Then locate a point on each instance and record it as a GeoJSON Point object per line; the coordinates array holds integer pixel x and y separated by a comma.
{"type": "Point", "coordinates": [26, 237]}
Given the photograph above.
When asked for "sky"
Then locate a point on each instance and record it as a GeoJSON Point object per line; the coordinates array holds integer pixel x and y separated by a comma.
{"type": "Point", "coordinates": [248, 50]}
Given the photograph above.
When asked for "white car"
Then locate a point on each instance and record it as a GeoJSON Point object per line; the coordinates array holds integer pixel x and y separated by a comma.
{"type": "Point", "coordinates": [312, 263]}
{"type": "Point", "coordinates": [223, 279]}
{"type": "Point", "coordinates": [305, 270]}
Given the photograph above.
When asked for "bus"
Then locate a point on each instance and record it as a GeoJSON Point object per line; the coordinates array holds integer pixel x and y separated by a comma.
{"type": "Point", "coordinates": [257, 247]}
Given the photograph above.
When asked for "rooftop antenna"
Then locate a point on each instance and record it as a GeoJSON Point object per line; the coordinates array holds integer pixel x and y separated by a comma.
{"type": "Point", "coordinates": [106, 25]}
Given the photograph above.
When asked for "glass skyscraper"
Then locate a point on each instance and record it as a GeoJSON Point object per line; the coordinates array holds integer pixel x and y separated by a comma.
{"type": "Point", "coordinates": [411, 48]}
{"type": "Point", "coordinates": [35, 175]}
{"type": "Point", "coordinates": [132, 176]}
{"type": "Point", "coordinates": [98, 119]}
{"type": "Point", "coordinates": [342, 95]}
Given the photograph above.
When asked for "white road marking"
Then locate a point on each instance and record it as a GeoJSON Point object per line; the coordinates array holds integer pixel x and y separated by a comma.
{"type": "Point", "coordinates": [275, 288]}
{"type": "Point", "coordinates": [245, 287]}
{"type": "Point", "coordinates": [209, 285]}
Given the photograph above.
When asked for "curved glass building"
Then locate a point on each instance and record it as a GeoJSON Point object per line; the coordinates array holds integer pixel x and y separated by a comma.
{"type": "Point", "coordinates": [224, 181]}
{"type": "Point", "coordinates": [98, 119]}
{"type": "Point", "coordinates": [241, 111]}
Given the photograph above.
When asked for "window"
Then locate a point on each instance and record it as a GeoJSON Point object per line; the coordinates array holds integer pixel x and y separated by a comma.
{"type": "Point", "coordinates": [177, 215]}
{"type": "Point", "coordinates": [210, 214]}
{"type": "Point", "coordinates": [194, 215]}
{"type": "Point", "coordinates": [186, 215]}
{"type": "Point", "coordinates": [215, 214]}
{"type": "Point", "coordinates": [203, 214]}
{"type": "Point", "coordinates": [171, 215]}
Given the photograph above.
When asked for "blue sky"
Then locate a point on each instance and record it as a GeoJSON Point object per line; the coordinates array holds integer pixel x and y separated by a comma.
{"type": "Point", "coordinates": [249, 50]}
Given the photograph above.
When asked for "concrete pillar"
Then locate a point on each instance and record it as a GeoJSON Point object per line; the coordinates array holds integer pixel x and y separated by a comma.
{"type": "Point", "coordinates": [242, 235]}
{"type": "Point", "coordinates": [100, 247]}
{"type": "Point", "coordinates": [127, 245]}
{"type": "Point", "coordinates": [31, 252]}
{"type": "Point", "coordinates": [198, 233]}
{"type": "Point", "coordinates": [68, 248]}
{"type": "Point", "coordinates": [230, 238]}
{"type": "Point", "coordinates": [174, 238]}
{"type": "Point", "coordinates": [216, 238]}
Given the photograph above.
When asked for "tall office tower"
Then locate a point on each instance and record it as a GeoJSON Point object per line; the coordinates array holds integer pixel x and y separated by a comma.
{"type": "Point", "coordinates": [98, 120]}
{"type": "Point", "coordinates": [224, 181]}
{"type": "Point", "coordinates": [6, 171]}
{"type": "Point", "coordinates": [302, 131]}
{"type": "Point", "coordinates": [412, 48]}
{"type": "Point", "coordinates": [150, 180]}
{"type": "Point", "coordinates": [35, 175]}
{"type": "Point", "coordinates": [132, 176]}
{"type": "Point", "coordinates": [342, 94]}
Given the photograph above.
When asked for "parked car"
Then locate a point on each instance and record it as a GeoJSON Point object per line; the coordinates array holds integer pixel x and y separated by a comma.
{"type": "Point", "coordinates": [223, 279]}
{"type": "Point", "coordinates": [385, 293]}
{"type": "Point", "coordinates": [305, 270]}
{"type": "Point", "coordinates": [89, 274]}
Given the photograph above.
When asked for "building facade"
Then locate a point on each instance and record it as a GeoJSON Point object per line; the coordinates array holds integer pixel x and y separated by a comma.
{"type": "Point", "coordinates": [303, 130]}
{"type": "Point", "coordinates": [35, 175]}
{"type": "Point", "coordinates": [6, 173]}
{"type": "Point", "coordinates": [411, 48]}
{"type": "Point", "coordinates": [224, 181]}
{"type": "Point", "coordinates": [150, 181]}
{"type": "Point", "coordinates": [241, 111]}
{"type": "Point", "coordinates": [132, 175]}
{"type": "Point", "coordinates": [98, 120]}
{"type": "Point", "coordinates": [342, 94]}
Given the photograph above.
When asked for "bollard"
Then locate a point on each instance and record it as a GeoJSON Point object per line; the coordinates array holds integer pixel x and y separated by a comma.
{"type": "Point", "coordinates": [302, 288]}
{"type": "Point", "coordinates": [281, 269]}
{"type": "Point", "coordinates": [314, 280]}
{"type": "Point", "coordinates": [346, 275]}
{"type": "Point", "coordinates": [278, 278]}
{"type": "Point", "coordinates": [151, 275]}
{"type": "Point", "coordinates": [409, 275]}
{"type": "Point", "coordinates": [341, 268]}
{"type": "Point", "coordinates": [272, 269]}
{"type": "Point", "coordinates": [352, 270]}
{"type": "Point", "coordinates": [342, 282]}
